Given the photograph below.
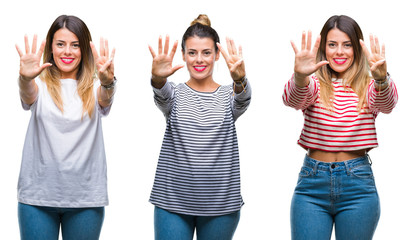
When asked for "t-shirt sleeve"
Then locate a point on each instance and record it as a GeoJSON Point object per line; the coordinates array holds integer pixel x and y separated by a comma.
{"type": "Point", "coordinates": [104, 111]}
{"type": "Point", "coordinates": [26, 106]}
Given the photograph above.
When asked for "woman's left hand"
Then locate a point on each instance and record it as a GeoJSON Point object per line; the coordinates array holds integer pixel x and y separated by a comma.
{"type": "Point", "coordinates": [376, 58]}
{"type": "Point", "coordinates": [233, 59]}
{"type": "Point", "coordinates": [104, 62]}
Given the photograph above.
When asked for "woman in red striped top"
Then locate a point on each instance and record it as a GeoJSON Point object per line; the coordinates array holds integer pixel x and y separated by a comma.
{"type": "Point", "coordinates": [341, 86]}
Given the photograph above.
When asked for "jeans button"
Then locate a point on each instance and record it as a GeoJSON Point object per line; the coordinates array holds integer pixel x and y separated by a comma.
{"type": "Point", "coordinates": [333, 166]}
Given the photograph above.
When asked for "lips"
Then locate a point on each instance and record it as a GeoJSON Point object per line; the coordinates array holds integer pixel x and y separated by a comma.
{"type": "Point", "coordinates": [200, 68]}
{"type": "Point", "coordinates": [67, 60]}
{"type": "Point", "coordinates": [340, 61]}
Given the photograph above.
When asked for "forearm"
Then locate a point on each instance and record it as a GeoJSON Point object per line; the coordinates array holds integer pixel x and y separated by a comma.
{"type": "Point", "coordinates": [299, 97]}
{"type": "Point", "coordinates": [241, 100]}
{"type": "Point", "coordinates": [158, 82]}
{"type": "Point", "coordinates": [382, 98]}
{"type": "Point", "coordinates": [28, 90]}
{"type": "Point", "coordinates": [106, 96]}
{"type": "Point", "coordinates": [164, 97]}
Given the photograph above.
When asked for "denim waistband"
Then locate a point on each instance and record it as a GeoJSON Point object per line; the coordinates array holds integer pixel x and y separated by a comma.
{"type": "Point", "coordinates": [337, 166]}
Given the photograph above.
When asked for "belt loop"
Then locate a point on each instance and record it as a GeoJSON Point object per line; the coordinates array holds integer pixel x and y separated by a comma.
{"type": "Point", "coordinates": [369, 160]}
{"type": "Point", "coordinates": [315, 167]}
{"type": "Point", "coordinates": [348, 171]}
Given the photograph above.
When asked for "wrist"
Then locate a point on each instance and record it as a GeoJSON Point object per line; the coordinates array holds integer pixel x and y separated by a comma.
{"type": "Point", "coordinates": [24, 79]}
{"type": "Point", "coordinates": [383, 80]}
{"type": "Point", "coordinates": [241, 81]}
{"type": "Point", "coordinates": [110, 85]}
{"type": "Point", "coordinates": [157, 79]}
{"type": "Point", "coordinates": [300, 81]}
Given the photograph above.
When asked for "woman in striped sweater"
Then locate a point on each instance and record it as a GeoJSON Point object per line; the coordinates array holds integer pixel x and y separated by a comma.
{"type": "Point", "coordinates": [341, 87]}
{"type": "Point", "coordinates": [197, 182]}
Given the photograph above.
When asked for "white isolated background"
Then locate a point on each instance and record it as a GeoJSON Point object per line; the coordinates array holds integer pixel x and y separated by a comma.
{"type": "Point", "coordinates": [267, 132]}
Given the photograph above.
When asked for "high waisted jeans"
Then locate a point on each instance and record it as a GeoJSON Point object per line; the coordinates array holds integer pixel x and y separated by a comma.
{"type": "Point", "coordinates": [174, 226]}
{"type": "Point", "coordinates": [341, 194]}
{"type": "Point", "coordinates": [42, 223]}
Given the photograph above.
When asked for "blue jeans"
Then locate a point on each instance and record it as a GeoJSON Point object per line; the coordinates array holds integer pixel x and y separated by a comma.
{"type": "Point", "coordinates": [42, 223]}
{"type": "Point", "coordinates": [341, 194]}
{"type": "Point", "coordinates": [174, 226]}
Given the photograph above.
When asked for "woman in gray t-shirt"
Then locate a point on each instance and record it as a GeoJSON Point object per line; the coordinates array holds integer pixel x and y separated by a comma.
{"type": "Point", "coordinates": [62, 179]}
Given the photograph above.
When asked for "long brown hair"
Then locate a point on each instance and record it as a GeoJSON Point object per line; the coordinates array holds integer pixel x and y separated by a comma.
{"type": "Point", "coordinates": [86, 72]}
{"type": "Point", "coordinates": [357, 75]}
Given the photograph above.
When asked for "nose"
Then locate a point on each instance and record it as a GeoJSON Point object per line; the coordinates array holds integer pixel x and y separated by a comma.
{"type": "Point", "coordinates": [67, 50]}
{"type": "Point", "coordinates": [340, 50]}
{"type": "Point", "coordinates": [199, 58]}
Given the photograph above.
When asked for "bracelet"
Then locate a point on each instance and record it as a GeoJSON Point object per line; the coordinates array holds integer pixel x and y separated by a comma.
{"type": "Point", "coordinates": [383, 82]}
{"type": "Point", "coordinates": [240, 83]}
{"type": "Point", "coordinates": [111, 85]}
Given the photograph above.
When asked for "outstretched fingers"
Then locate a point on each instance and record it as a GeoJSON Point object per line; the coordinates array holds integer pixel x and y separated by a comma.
{"type": "Point", "coordinates": [223, 52]}
{"type": "Point", "coordinates": [173, 49]}
{"type": "Point", "coordinates": [153, 54]}
{"type": "Point", "coordinates": [364, 48]}
{"type": "Point", "coordinates": [295, 49]}
{"type": "Point", "coordinates": [166, 45]}
{"type": "Point", "coordinates": [94, 51]}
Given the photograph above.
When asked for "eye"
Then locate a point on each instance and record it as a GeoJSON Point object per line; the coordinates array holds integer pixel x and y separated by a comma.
{"type": "Point", "coordinates": [76, 45]}
{"type": "Point", "coordinates": [331, 45]}
{"type": "Point", "coordinates": [191, 53]}
{"type": "Point", "coordinates": [207, 53]}
{"type": "Point", "coordinates": [348, 45]}
{"type": "Point", "coordinates": [59, 44]}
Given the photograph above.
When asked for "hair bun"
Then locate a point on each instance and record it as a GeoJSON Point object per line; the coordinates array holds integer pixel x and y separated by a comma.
{"type": "Point", "coordinates": [202, 19]}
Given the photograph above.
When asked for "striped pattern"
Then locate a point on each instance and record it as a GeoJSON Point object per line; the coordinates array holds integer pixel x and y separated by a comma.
{"type": "Point", "coordinates": [343, 128]}
{"type": "Point", "coordinates": [198, 170]}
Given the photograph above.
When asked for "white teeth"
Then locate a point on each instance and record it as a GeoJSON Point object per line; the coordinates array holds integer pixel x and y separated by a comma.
{"type": "Point", "coordinates": [67, 60]}
{"type": "Point", "coordinates": [340, 60]}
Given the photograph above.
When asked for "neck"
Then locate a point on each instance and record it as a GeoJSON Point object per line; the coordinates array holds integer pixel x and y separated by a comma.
{"type": "Point", "coordinates": [204, 85]}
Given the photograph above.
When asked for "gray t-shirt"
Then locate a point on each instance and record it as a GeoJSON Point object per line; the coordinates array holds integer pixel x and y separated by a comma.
{"type": "Point", "coordinates": [63, 161]}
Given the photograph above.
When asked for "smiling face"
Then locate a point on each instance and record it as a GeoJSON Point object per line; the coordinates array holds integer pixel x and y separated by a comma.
{"type": "Point", "coordinates": [200, 55]}
{"type": "Point", "coordinates": [66, 53]}
{"type": "Point", "coordinates": [339, 51]}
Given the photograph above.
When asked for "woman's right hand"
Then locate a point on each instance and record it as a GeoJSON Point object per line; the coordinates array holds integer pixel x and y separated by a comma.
{"type": "Point", "coordinates": [305, 59]}
{"type": "Point", "coordinates": [162, 63]}
{"type": "Point", "coordinates": [30, 66]}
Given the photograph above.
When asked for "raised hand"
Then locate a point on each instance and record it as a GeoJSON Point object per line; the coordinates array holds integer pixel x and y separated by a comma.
{"type": "Point", "coordinates": [104, 62]}
{"type": "Point", "coordinates": [162, 63]}
{"type": "Point", "coordinates": [30, 66]}
{"type": "Point", "coordinates": [233, 59]}
{"type": "Point", "coordinates": [305, 59]}
{"type": "Point", "coordinates": [376, 58]}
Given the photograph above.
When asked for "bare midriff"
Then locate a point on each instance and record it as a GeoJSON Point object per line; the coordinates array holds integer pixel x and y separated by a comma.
{"type": "Point", "coordinates": [324, 156]}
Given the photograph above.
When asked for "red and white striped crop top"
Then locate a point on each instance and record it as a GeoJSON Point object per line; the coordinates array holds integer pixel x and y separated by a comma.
{"type": "Point", "coordinates": [343, 128]}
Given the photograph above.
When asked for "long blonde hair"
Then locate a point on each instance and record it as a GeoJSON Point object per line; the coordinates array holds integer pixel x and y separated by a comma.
{"type": "Point", "coordinates": [86, 72]}
{"type": "Point", "coordinates": [357, 76]}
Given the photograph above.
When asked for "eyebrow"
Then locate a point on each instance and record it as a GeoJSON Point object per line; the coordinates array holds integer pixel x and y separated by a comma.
{"type": "Point", "coordinates": [207, 49]}
{"type": "Point", "coordinates": [336, 41]}
{"type": "Point", "coordinates": [64, 41]}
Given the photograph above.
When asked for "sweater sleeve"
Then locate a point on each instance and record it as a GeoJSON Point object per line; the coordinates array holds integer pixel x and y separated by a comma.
{"type": "Point", "coordinates": [300, 97]}
{"type": "Point", "coordinates": [383, 101]}
{"type": "Point", "coordinates": [241, 101]}
{"type": "Point", "coordinates": [164, 98]}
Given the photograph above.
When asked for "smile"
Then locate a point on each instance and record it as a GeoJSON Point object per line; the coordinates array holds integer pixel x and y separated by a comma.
{"type": "Point", "coordinates": [200, 68]}
{"type": "Point", "coordinates": [340, 61]}
{"type": "Point", "coordinates": [67, 60]}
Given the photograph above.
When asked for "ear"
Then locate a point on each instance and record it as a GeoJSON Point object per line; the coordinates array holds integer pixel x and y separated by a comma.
{"type": "Point", "coordinates": [217, 54]}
